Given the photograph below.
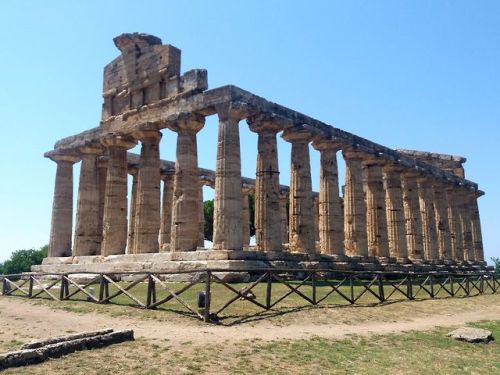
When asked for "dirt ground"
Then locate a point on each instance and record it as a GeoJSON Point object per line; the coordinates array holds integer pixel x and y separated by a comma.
{"type": "Point", "coordinates": [22, 320]}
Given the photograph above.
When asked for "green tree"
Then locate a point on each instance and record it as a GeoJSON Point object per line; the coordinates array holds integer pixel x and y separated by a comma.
{"type": "Point", "coordinates": [22, 260]}
{"type": "Point", "coordinates": [208, 211]}
{"type": "Point", "coordinates": [496, 262]}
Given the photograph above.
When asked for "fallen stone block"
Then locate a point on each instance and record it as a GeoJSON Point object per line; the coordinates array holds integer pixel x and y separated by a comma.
{"type": "Point", "coordinates": [470, 334]}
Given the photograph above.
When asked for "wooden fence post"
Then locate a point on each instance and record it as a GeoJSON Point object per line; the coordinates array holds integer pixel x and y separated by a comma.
{"type": "Point", "coordinates": [206, 312]}
{"type": "Point", "coordinates": [269, 289]}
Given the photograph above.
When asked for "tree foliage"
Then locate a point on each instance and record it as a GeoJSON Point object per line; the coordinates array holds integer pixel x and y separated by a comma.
{"type": "Point", "coordinates": [22, 260]}
{"type": "Point", "coordinates": [496, 262]}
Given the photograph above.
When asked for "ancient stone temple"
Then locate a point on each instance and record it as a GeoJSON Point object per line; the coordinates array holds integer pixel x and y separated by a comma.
{"type": "Point", "coordinates": [397, 210]}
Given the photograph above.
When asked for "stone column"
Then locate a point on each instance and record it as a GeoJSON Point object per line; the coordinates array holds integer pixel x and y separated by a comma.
{"type": "Point", "coordinates": [227, 201]}
{"type": "Point", "coordinates": [166, 210]}
{"type": "Point", "coordinates": [355, 242]}
{"type": "Point", "coordinates": [396, 230]}
{"type": "Point", "coordinates": [147, 218]}
{"type": "Point", "coordinates": [429, 235]}
{"type": "Point", "coordinates": [267, 199]}
{"type": "Point", "coordinates": [316, 219]}
{"type": "Point", "coordinates": [331, 230]}
{"type": "Point", "coordinates": [442, 221]}
{"type": "Point", "coordinates": [88, 238]}
{"type": "Point", "coordinates": [103, 171]}
{"type": "Point", "coordinates": [465, 221]}
{"type": "Point", "coordinates": [455, 224]}
{"type": "Point", "coordinates": [62, 206]}
{"type": "Point", "coordinates": [284, 217]}
{"type": "Point", "coordinates": [201, 217]}
{"type": "Point", "coordinates": [186, 200]}
{"type": "Point", "coordinates": [477, 237]}
{"type": "Point", "coordinates": [245, 217]}
{"type": "Point", "coordinates": [376, 217]}
{"type": "Point", "coordinates": [133, 171]}
{"type": "Point", "coordinates": [301, 230]}
{"type": "Point", "coordinates": [413, 218]}
{"type": "Point", "coordinates": [115, 201]}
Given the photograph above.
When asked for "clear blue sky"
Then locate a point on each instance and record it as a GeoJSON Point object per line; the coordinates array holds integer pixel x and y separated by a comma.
{"type": "Point", "coordinates": [419, 74]}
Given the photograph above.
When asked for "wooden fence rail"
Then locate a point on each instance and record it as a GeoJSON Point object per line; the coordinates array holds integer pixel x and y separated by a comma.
{"type": "Point", "coordinates": [311, 287]}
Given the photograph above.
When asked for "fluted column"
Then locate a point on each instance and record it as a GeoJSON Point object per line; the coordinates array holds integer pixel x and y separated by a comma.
{"type": "Point", "coordinates": [201, 217]}
{"type": "Point", "coordinates": [331, 225]}
{"type": "Point", "coordinates": [316, 219]}
{"type": "Point", "coordinates": [412, 215]}
{"type": "Point", "coordinates": [115, 201]}
{"type": "Point", "coordinates": [245, 221]}
{"type": "Point", "coordinates": [429, 235]}
{"type": "Point", "coordinates": [133, 171]}
{"type": "Point", "coordinates": [166, 210]}
{"type": "Point", "coordinates": [301, 230]}
{"type": "Point", "coordinates": [284, 217]}
{"type": "Point", "coordinates": [103, 171]}
{"type": "Point", "coordinates": [477, 237]}
{"type": "Point", "coordinates": [455, 224]}
{"type": "Point", "coordinates": [88, 239]}
{"type": "Point", "coordinates": [62, 206]}
{"type": "Point", "coordinates": [396, 230]}
{"type": "Point", "coordinates": [465, 221]}
{"type": "Point", "coordinates": [186, 198]}
{"type": "Point", "coordinates": [354, 206]}
{"type": "Point", "coordinates": [376, 217]}
{"type": "Point", "coordinates": [147, 218]}
{"type": "Point", "coordinates": [227, 201]}
{"type": "Point", "coordinates": [442, 221]}
{"type": "Point", "coordinates": [267, 199]}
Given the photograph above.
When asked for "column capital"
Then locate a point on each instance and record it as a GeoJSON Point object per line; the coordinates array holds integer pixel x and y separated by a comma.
{"type": "Point", "coordinates": [410, 173]}
{"type": "Point", "coordinates": [352, 154]}
{"type": "Point", "coordinates": [97, 150]}
{"type": "Point", "coordinates": [147, 135]}
{"type": "Point", "coordinates": [167, 175]}
{"type": "Point", "coordinates": [116, 140]}
{"type": "Point", "coordinates": [298, 133]}
{"type": "Point", "coordinates": [133, 170]}
{"type": "Point", "coordinates": [268, 123]}
{"type": "Point", "coordinates": [322, 144]}
{"type": "Point", "coordinates": [391, 167]}
{"type": "Point", "coordinates": [372, 160]}
{"type": "Point", "coordinates": [232, 110]}
{"type": "Point", "coordinates": [187, 123]}
{"type": "Point", "coordinates": [58, 156]}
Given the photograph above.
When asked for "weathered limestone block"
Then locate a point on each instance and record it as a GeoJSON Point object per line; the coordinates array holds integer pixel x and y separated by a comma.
{"type": "Point", "coordinates": [115, 204]}
{"type": "Point", "coordinates": [429, 235]}
{"type": "Point", "coordinates": [301, 230]}
{"type": "Point", "coordinates": [147, 210]}
{"type": "Point", "coordinates": [186, 199]}
{"type": "Point", "coordinates": [267, 199]}
{"type": "Point", "coordinates": [134, 171]}
{"type": "Point", "coordinates": [62, 207]}
{"type": "Point", "coordinates": [396, 231]}
{"type": "Point", "coordinates": [413, 218]}
{"type": "Point", "coordinates": [166, 209]}
{"type": "Point", "coordinates": [354, 206]}
{"type": "Point", "coordinates": [88, 236]}
{"type": "Point", "coordinates": [471, 334]}
{"type": "Point", "coordinates": [331, 225]}
{"type": "Point", "coordinates": [227, 202]}
{"type": "Point", "coordinates": [442, 222]}
{"type": "Point", "coordinates": [376, 217]}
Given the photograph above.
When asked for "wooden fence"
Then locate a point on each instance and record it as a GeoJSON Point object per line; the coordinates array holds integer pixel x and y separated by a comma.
{"type": "Point", "coordinates": [208, 295]}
